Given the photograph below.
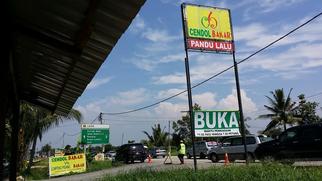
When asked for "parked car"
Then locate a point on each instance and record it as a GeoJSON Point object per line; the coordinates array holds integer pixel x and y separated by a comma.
{"type": "Point", "coordinates": [234, 147]}
{"type": "Point", "coordinates": [202, 149]}
{"type": "Point", "coordinates": [131, 152]}
{"type": "Point", "coordinates": [296, 143]}
{"type": "Point", "coordinates": [157, 152]}
{"type": "Point", "coordinates": [110, 154]}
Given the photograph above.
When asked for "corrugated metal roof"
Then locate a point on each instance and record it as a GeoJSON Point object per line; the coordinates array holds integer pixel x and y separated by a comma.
{"type": "Point", "coordinates": [58, 45]}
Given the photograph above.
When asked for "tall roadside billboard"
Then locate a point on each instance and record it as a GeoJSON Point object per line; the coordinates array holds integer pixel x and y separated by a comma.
{"type": "Point", "coordinates": [208, 29]}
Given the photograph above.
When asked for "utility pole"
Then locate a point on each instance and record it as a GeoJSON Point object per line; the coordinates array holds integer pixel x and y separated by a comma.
{"type": "Point", "coordinates": [100, 118]}
{"type": "Point", "coordinates": [101, 121]}
{"type": "Point", "coordinates": [122, 137]}
{"type": "Point", "coordinates": [63, 140]}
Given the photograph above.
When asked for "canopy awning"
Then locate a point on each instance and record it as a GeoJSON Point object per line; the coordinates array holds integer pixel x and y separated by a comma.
{"type": "Point", "coordinates": [59, 45]}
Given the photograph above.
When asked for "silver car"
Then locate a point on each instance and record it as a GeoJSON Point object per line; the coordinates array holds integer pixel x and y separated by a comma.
{"type": "Point", "coordinates": [234, 148]}
{"type": "Point", "coordinates": [202, 149]}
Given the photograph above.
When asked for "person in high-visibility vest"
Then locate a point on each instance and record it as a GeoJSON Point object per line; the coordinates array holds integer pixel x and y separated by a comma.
{"type": "Point", "coordinates": [181, 152]}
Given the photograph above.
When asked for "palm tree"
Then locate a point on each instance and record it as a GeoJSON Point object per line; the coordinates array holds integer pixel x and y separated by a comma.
{"type": "Point", "coordinates": [281, 108]}
{"type": "Point", "coordinates": [46, 149]}
{"type": "Point", "coordinates": [36, 121]}
{"type": "Point", "coordinates": [158, 136]}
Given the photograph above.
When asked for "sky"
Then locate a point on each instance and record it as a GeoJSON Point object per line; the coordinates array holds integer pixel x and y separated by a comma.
{"type": "Point", "coordinates": [147, 65]}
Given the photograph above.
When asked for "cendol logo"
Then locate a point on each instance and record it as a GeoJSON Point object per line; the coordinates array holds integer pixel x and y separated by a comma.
{"type": "Point", "coordinates": [209, 21]}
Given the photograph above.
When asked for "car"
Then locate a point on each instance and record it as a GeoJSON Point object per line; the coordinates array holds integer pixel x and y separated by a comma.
{"type": "Point", "coordinates": [297, 143]}
{"type": "Point", "coordinates": [131, 152]}
{"type": "Point", "coordinates": [157, 152]}
{"type": "Point", "coordinates": [202, 149]}
{"type": "Point", "coordinates": [234, 148]}
{"type": "Point", "coordinates": [110, 154]}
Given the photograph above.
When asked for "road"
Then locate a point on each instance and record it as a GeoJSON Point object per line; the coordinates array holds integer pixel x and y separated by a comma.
{"type": "Point", "coordinates": [157, 164]}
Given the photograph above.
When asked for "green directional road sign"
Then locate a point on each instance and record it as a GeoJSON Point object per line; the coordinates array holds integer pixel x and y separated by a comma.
{"type": "Point", "coordinates": [95, 134]}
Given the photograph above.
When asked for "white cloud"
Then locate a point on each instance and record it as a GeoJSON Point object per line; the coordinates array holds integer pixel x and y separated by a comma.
{"type": "Point", "coordinates": [254, 7]}
{"type": "Point", "coordinates": [117, 103]}
{"type": "Point", "coordinates": [170, 109]}
{"type": "Point", "coordinates": [170, 92]}
{"type": "Point", "coordinates": [157, 35]}
{"type": "Point", "coordinates": [172, 58]}
{"type": "Point", "coordinates": [230, 102]}
{"type": "Point", "coordinates": [176, 78]}
{"type": "Point", "coordinates": [206, 100]}
{"type": "Point", "coordinates": [145, 63]}
{"type": "Point", "coordinates": [138, 24]}
{"type": "Point", "coordinates": [150, 62]}
{"type": "Point", "coordinates": [131, 97]}
{"type": "Point", "coordinates": [293, 62]}
{"type": "Point", "coordinates": [257, 35]}
{"type": "Point", "coordinates": [206, 66]}
{"type": "Point", "coordinates": [270, 5]}
{"type": "Point", "coordinates": [91, 110]}
{"type": "Point", "coordinates": [98, 82]}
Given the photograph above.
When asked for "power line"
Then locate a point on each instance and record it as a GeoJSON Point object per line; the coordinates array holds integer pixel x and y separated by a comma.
{"type": "Point", "coordinates": [72, 134]}
{"type": "Point", "coordinates": [314, 95]}
{"type": "Point", "coordinates": [200, 83]}
{"type": "Point", "coordinates": [95, 119]}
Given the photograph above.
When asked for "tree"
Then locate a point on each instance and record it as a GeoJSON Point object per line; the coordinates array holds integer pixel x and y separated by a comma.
{"type": "Point", "coordinates": [34, 122]}
{"type": "Point", "coordinates": [109, 147]}
{"type": "Point", "coordinates": [246, 125]}
{"type": "Point", "coordinates": [273, 133]}
{"type": "Point", "coordinates": [307, 111]}
{"type": "Point", "coordinates": [46, 149]}
{"type": "Point", "coordinates": [158, 136]}
{"type": "Point", "coordinates": [182, 128]}
{"type": "Point", "coordinates": [281, 108]}
{"type": "Point", "coordinates": [68, 150]}
{"type": "Point", "coordinates": [146, 143]}
{"type": "Point", "coordinates": [131, 141]}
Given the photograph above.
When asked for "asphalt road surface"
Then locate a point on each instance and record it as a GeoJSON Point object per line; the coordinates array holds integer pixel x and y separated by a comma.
{"type": "Point", "coordinates": [158, 164]}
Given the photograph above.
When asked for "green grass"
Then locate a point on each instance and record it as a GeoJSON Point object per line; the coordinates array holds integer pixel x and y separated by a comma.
{"type": "Point", "coordinates": [98, 165]}
{"type": "Point", "coordinates": [38, 173]}
{"type": "Point", "coordinates": [230, 173]}
{"type": "Point", "coordinates": [43, 162]}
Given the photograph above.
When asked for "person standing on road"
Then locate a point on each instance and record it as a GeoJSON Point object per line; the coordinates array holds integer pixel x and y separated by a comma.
{"type": "Point", "coordinates": [181, 152]}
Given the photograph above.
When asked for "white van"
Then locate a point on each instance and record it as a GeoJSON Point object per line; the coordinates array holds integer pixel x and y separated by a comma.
{"type": "Point", "coordinates": [234, 147]}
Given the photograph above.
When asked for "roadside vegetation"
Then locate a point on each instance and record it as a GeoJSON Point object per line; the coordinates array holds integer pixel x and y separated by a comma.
{"type": "Point", "coordinates": [231, 173]}
{"type": "Point", "coordinates": [41, 171]}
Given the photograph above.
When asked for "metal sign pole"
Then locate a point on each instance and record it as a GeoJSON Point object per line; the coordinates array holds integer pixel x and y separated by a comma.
{"type": "Point", "coordinates": [238, 95]}
{"type": "Point", "coordinates": [189, 90]}
{"type": "Point", "coordinates": [240, 108]}
{"type": "Point", "coordinates": [190, 113]}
